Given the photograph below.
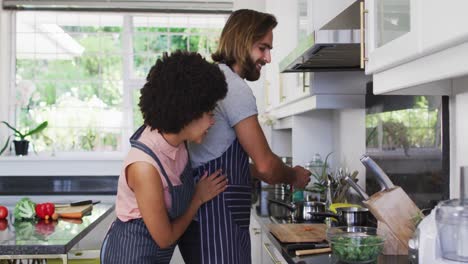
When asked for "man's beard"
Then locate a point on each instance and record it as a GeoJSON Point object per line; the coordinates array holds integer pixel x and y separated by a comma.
{"type": "Point", "coordinates": [250, 70]}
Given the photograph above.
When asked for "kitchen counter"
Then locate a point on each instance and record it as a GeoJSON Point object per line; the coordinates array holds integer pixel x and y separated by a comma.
{"type": "Point", "coordinates": [58, 185]}
{"type": "Point", "coordinates": [266, 214]}
{"type": "Point", "coordinates": [48, 237]}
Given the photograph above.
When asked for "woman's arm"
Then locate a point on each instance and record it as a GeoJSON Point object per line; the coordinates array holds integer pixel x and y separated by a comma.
{"type": "Point", "coordinates": [267, 166]}
{"type": "Point", "coordinates": [146, 183]}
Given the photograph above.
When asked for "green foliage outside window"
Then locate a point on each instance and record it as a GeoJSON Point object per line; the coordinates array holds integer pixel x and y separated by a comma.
{"type": "Point", "coordinates": [404, 129]}
{"type": "Point", "coordinates": [82, 97]}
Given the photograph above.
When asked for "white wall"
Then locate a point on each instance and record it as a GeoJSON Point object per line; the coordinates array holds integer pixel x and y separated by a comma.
{"type": "Point", "coordinates": [323, 131]}
{"type": "Point", "coordinates": [350, 140]}
{"type": "Point", "coordinates": [312, 133]}
{"type": "Point", "coordinates": [459, 132]}
{"type": "Point", "coordinates": [4, 69]}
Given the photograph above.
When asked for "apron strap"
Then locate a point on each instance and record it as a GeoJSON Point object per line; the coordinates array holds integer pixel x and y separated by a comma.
{"type": "Point", "coordinates": [137, 144]}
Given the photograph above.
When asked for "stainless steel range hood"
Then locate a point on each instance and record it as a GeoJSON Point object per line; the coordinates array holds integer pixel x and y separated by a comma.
{"type": "Point", "coordinates": [336, 47]}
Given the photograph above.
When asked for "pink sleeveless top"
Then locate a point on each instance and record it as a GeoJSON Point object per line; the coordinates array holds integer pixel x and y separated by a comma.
{"type": "Point", "coordinates": [173, 160]}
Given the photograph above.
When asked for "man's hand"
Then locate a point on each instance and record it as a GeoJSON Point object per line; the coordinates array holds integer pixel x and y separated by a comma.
{"type": "Point", "coordinates": [301, 177]}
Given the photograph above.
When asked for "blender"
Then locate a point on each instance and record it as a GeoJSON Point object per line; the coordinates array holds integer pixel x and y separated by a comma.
{"type": "Point", "coordinates": [442, 236]}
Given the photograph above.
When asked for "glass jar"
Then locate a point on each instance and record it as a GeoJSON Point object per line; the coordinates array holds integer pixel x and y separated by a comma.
{"type": "Point", "coordinates": [452, 227]}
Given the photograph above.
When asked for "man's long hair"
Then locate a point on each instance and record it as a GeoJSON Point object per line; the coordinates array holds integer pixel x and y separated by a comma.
{"type": "Point", "coordinates": [243, 28]}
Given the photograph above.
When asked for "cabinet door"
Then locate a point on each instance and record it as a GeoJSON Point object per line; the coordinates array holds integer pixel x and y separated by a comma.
{"type": "Point", "coordinates": [255, 239]}
{"type": "Point", "coordinates": [270, 255]}
{"type": "Point", "coordinates": [444, 24]}
{"type": "Point", "coordinates": [392, 33]}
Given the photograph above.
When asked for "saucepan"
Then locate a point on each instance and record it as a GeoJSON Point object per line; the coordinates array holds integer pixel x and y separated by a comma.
{"type": "Point", "coordinates": [348, 216]}
{"type": "Point", "coordinates": [301, 210]}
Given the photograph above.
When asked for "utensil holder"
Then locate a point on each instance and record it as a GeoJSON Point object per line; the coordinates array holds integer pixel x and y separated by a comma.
{"type": "Point", "coordinates": [397, 217]}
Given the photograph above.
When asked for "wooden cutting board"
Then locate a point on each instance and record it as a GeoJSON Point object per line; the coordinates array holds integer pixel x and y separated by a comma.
{"type": "Point", "coordinates": [294, 233]}
{"type": "Point", "coordinates": [397, 215]}
{"type": "Point", "coordinates": [74, 211]}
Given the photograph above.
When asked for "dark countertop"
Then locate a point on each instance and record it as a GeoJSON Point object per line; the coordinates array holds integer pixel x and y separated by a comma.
{"type": "Point", "coordinates": [267, 214]}
{"type": "Point", "coordinates": [47, 237]}
{"type": "Point", "coordinates": [58, 185]}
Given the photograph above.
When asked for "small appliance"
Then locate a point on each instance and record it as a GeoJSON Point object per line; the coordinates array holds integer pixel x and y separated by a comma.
{"type": "Point", "coordinates": [442, 236]}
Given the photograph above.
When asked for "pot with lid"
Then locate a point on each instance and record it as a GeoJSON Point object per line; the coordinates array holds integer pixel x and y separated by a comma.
{"type": "Point", "coordinates": [349, 216]}
{"type": "Point", "coordinates": [301, 210]}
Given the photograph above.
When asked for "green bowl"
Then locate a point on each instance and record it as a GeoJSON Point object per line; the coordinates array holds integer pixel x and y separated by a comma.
{"type": "Point", "coordinates": [355, 244]}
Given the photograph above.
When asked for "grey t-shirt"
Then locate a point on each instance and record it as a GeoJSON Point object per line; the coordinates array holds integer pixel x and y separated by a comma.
{"type": "Point", "coordinates": [238, 104]}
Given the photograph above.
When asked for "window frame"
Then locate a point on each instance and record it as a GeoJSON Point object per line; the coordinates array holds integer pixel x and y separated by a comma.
{"type": "Point", "coordinates": [130, 83]}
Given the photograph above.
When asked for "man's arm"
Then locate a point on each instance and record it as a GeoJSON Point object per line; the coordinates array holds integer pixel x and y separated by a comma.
{"type": "Point", "coordinates": [267, 166]}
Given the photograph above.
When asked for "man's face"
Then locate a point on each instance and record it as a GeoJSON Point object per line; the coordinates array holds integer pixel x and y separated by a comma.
{"type": "Point", "coordinates": [259, 56]}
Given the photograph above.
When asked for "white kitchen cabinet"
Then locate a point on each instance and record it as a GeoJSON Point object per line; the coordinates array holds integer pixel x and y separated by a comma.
{"type": "Point", "coordinates": [415, 42]}
{"type": "Point", "coordinates": [270, 255]}
{"type": "Point", "coordinates": [294, 24]}
{"type": "Point", "coordinates": [255, 239]}
{"type": "Point", "coordinates": [392, 33]}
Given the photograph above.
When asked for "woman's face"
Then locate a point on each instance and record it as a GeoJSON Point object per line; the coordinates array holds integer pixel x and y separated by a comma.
{"type": "Point", "coordinates": [198, 128]}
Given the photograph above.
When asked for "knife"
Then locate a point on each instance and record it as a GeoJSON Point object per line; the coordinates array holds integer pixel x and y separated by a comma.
{"type": "Point", "coordinates": [78, 203]}
{"type": "Point", "coordinates": [357, 188]}
{"type": "Point", "coordinates": [382, 178]}
{"type": "Point", "coordinates": [299, 246]}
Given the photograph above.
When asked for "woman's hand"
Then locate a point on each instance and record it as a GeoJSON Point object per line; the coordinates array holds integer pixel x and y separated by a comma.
{"type": "Point", "coordinates": [210, 186]}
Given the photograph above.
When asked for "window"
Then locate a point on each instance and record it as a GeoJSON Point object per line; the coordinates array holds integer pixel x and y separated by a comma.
{"type": "Point", "coordinates": [408, 124]}
{"type": "Point", "coordinates": [82, 71]}
{"type": "Point", "coordinates": [408, 137]}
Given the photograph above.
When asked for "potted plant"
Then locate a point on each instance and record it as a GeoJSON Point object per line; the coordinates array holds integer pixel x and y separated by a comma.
{"type": "Point", "coordinates": [22, 144]}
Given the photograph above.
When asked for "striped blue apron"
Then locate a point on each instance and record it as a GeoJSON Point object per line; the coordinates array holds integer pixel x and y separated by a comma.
{"type": "Point", "coordinates": [224, 221]}
{"type": "Point", "coordinates": [131, 242]}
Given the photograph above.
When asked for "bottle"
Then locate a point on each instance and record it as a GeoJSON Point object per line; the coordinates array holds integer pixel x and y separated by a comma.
{"type": "Point", "coordinates": [315, 166]}
{"type": "Point", "coordinates": [298, 195]}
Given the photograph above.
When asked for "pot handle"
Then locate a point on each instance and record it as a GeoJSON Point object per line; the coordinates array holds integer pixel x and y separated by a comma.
{"type": "Point", "coordinates": [324, 214]}
{"type": "Point", "coordinates": [290, 206]}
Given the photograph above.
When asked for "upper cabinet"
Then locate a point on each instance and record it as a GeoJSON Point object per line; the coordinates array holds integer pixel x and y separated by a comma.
{"type": "Point", "coordinates": [300, 42]}
{"type": "Point", "coordinates": [392, 33]}
{"type": "Point", "coordinates": [410, 43]}
{"type": "Point", "coordinates": [294, 24]}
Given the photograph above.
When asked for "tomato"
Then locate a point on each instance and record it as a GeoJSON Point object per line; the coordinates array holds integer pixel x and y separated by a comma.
{"type": "Point", "coordinates": [3, 212]}
{"type": "Point", "coordinates": [3, 224]}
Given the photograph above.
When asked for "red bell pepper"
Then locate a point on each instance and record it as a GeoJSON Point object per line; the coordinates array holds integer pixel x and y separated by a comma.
{"type": "Point", "coordinates": [45, 210]}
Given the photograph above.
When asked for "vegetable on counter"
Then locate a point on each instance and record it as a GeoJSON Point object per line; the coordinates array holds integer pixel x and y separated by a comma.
{"type": "Point", "coordinates": [45, 210]}
{"type": "Point", "coordinates": [357, 249]}
{"type": "Point", "coordinates": [3, 224]}
{"type": "Point", "coordinates": [24, 209]}
{"type": "Point", "coordinates": [45, 227]}
{"type": "Point", "coordinates": [3, 212]}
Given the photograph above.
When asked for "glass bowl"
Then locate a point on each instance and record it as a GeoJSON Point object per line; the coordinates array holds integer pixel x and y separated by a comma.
{"type": "Point", "coordinates": [355, 244]}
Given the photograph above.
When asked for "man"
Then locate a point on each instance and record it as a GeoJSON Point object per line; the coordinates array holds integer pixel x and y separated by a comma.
{"type": "Point", "coordinates": [222, 228]}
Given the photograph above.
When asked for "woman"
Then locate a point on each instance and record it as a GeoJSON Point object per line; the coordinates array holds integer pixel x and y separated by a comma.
{"type": "Point", "coordinates": [156, 197]}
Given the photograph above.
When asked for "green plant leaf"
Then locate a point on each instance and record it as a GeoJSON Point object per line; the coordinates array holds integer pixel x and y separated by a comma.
{"type": "Point", "coordinates": [38, 129]}
{"type": "Point", "coordinates": [22, 136]}
{"type": "Point", "coordinates": [5, 147]}
{"type": "Point", "coordinates": [323, 176]}
{"type": "Point", "coordinates": [17, 132]}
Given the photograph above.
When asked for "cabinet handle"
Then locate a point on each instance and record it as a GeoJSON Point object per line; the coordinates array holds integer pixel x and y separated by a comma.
{"type": "Point", "coordinates": [272, 256]}
{"type": "Point", "coordinates": [363, 32]}
{"type": "Point", "coordinates": [304, 84]}
{"type": "Point", "coordinates": [256, 231]}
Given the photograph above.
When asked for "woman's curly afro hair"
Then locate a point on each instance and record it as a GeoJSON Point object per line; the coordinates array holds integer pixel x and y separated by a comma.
{"type": "Point", "coordinates": [179, 88]}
